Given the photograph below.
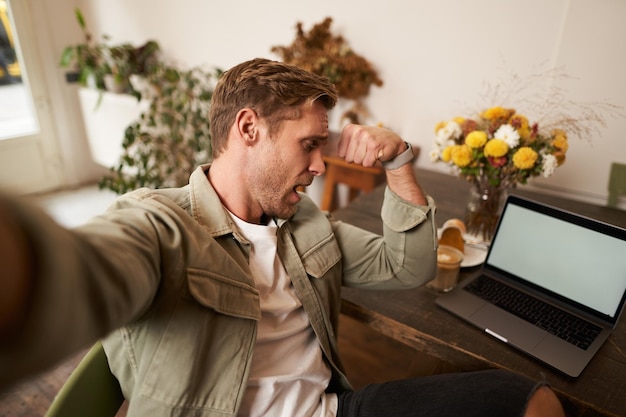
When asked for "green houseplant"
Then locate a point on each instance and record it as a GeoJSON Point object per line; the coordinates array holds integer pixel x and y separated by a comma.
{"type": "Point", "coordinates": [104, 66]}
{"type": "Point", "coordinates": [84, 59]}
{"type": "Point", "coordinates": [172, 136]}
{"type": "Point", "coordinates": [124, 60]}
{"type": "Point", "coordinates": [164, 145]}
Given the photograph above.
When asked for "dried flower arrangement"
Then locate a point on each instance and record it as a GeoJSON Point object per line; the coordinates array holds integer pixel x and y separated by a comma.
{"type": "Point", "coordinates": [322, 53]}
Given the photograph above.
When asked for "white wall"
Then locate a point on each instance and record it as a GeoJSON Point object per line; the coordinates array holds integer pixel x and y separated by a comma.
{"type": "Point", "coordinates": [434, 57]}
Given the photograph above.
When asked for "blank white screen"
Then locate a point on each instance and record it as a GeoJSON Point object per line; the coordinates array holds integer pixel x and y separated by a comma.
{"type": "Point", "coordinates": [581, 264]}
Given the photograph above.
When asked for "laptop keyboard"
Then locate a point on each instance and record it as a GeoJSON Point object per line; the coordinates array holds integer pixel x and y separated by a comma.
{"type": "Point", "coordinates": [568, 327]}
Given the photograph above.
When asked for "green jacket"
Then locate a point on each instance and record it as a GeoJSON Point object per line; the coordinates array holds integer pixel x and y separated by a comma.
{"type": "Point", "coordinates": [168, 270]}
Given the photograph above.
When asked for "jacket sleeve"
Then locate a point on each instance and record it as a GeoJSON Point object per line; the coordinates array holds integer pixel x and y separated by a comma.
{"type": "Point", "coordinates": [87, 282]}
{"type": "Point", "coordinates": [404, 257]}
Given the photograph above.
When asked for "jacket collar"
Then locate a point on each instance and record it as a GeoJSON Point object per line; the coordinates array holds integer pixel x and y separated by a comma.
{"type": "Point", "coordinates": [206, 206]}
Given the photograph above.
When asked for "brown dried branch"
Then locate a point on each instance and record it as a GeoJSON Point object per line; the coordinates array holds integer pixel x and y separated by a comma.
{"type": "Point", "coordinates": [542, 91]}
{"type": "Point", "coordinates": [322, 53]}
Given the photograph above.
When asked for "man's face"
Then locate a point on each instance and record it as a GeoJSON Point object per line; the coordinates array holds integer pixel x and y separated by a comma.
{"type": "Point", "coordinates": [288, 159]}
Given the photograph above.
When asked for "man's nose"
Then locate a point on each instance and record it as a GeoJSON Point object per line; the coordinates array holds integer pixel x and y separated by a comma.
{"type": "Point", "coordinates": [317, 167]}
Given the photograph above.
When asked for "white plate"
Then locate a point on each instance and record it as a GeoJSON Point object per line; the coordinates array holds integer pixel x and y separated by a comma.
{"type": "Point", "coordinates": [474, 255]}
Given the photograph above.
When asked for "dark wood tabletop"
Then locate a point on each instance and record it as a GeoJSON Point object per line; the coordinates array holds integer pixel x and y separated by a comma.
{"type": "Point", "coordinates": [412, 317]}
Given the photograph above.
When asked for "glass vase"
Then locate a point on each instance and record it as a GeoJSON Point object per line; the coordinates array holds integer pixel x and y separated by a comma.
{"type": "Point", "coordinates": [483, 210]}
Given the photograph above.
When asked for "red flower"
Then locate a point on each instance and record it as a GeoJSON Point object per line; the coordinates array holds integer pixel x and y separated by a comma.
{"type": "Point", "coordinates": [497, 162]}
{"type": "Point", "coordinates": [468, 126]}
{"type": "Point", "coordinates": [534, 129]}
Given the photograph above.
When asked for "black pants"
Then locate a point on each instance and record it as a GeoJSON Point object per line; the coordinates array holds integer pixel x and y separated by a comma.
{"type": "Point", "coordinates": [490, 393]}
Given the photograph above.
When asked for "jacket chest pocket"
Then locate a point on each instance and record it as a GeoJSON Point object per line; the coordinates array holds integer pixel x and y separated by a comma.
{"type": "Point", "coordinates": [319, 260]}
{"type": "Point", "coordinates": [223, 294]}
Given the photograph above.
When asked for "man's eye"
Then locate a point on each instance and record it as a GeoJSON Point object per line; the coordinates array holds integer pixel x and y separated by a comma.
{"type": "Point", "coordinates": [309, 146]}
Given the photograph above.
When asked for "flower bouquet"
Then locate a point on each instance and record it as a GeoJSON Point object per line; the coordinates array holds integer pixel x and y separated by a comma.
{"type": "Point", "coordinates": [494, 151]}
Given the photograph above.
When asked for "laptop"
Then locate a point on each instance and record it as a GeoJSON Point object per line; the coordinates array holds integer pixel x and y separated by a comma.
{"type": "Point", "coordinates": [546, 264]}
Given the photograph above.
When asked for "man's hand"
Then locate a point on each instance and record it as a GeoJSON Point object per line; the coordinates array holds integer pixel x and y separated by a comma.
{"type": "Point", "coordinates": [15, 271]}
{"type": "Point", "coordinates": [365, 145]}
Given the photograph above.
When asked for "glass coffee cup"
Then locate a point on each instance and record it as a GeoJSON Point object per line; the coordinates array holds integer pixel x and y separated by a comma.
{"type": "Point", "coordinates": [449, 261]}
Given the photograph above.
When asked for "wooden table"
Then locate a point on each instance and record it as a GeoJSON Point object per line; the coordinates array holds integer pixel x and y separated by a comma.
{"type": "Point", "coordinates": [412, 317]}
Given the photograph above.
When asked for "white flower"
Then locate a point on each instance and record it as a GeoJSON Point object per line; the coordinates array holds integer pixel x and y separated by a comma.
{"type": "Point", "coordinates": [446, 136]}
{"type": "Point", "coordinates": [449, 132]}
{"type": "Point", "coordinates": [508, 134]}
{"type": "Point", "coordinates": [549, 165]}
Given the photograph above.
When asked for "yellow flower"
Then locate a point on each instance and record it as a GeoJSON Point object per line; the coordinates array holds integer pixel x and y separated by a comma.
{"type": "Point", "coordinates": [439, 126]}
{"type": "Point", "coordinates": [496, 148]}
{"type": "Point", "coordinates": [520, 123]}
{"type": "Point", "coordinates": [446, 154]}
{"type": "Point", "coordinates": [459, 120]}
{"type": "Point", "coordinates": [461, 155]}
{"type": "Point", "coordinates": [525, 158]}
{"type": "Point", "coordinates": [497, 113]}
{"type": "Point", "coordinates": [559, 140]}
{"type": "Point", "coordinates": [476, 139]}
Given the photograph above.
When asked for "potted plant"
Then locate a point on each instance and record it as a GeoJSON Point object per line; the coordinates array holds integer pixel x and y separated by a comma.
{"type": "Point", "coordinates": [104, 66]}
{"type": "Point", "coordinates": [172, 136]}
{"type": "Point", "coordinates": [124, 60]}
{"type": "Point", "coordinates": [85, 59]}
{"type": "Point", "coordinates": [323, 53]}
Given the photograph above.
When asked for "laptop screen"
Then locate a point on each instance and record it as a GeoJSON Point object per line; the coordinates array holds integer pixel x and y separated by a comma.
{"type": "Point", "coordinates": [574, 257]}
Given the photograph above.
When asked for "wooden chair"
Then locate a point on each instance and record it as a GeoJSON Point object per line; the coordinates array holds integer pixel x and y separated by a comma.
{"type": "Point", "coordinates": [358, 178]}
{"type": "Point", "coordinates": [91, 390]}
{"type": "Point", "coordinates": [617, 183]}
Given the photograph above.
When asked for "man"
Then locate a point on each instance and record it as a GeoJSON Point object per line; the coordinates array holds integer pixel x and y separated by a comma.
{"type": "Point", "coordinates": [223, 296]}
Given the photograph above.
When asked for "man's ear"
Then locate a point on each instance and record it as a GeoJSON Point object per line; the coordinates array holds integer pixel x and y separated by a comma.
{"type": "Point", "coordinates": [247, 123]}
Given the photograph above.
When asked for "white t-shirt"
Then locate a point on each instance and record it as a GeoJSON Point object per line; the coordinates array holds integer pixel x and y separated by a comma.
{"type": "Point", "coordinates": [288, 375]}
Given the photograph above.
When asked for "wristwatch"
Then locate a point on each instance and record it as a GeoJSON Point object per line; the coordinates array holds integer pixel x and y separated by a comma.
{"type": "Point", "coordinates": [402, 159]}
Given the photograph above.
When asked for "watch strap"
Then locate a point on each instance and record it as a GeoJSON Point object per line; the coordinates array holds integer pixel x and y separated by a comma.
{"type": "Point", "coordinates": [402, 159]}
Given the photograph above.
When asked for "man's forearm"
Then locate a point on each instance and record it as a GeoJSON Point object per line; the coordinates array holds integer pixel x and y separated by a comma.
{"type": "Point", "coordinates": [403, 182]}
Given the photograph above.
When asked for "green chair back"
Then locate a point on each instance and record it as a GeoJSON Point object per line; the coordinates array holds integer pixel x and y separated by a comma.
{"type": "Point", "coordinates": [91, 390]}
{"type": "Point", "coordinates": [617, 183]}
